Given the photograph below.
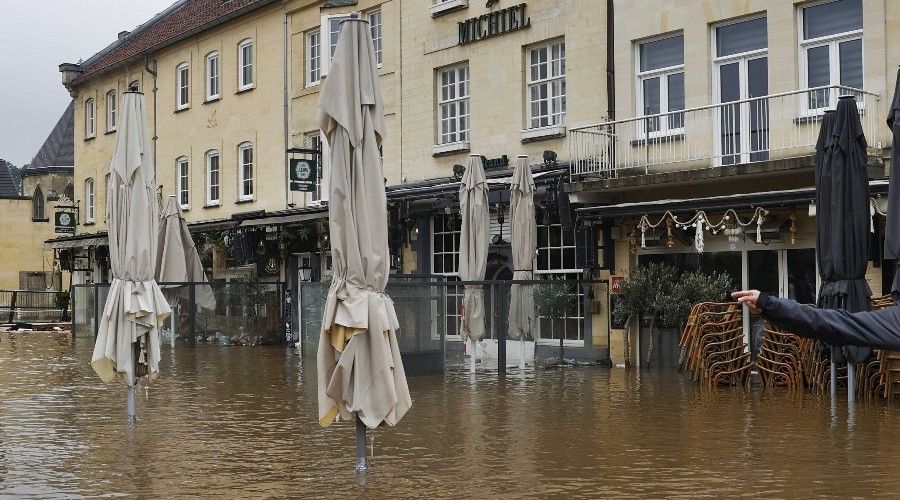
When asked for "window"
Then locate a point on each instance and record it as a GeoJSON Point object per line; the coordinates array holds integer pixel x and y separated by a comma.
{"type": "Point", "coordinates": [183, 77]}
{"type": "Point", "coordinates": [557, 259]}
{"type": "Point", "coordinates": [547, 85]}
{"type": "Point", "coordinates": [111, 111]}
{"type": "Point", "coordinates": [245, 171]}
{"type": "Point", "coordinates": [661, 84]}
{"type": "Point", "coordinates": [37, 204]}
{"type": "Point", "coordinates": [245, 65]}
{"type": "Point", "coordinates": [183, 182]}
{"type": "Point", "coordinates": [89, 130]}
{"type": "Point", "coordinates": [330, 30]}
{"type": "Point", "coordinates": [69, 192]}
{"type": "Point", "coordinates": [136, 85]}
{"type": "Point", "coordinates": [445, 232]}
{"type": "Point", "coordinates": [375, 26]}
{"type": "Point", "coordinates": [453, 105]}
{"type": "Point", "coordinates": [89, 214]}
{"type": "Point", "coordinates": [313, 60]}
{"type": "Point", "coordinates": [212, 77]}
{"type": "Point", "coordinates": [830, 50]}
{"type": "Point", "coordinates": [441, 6]}
{"type": "Point", "coordinates": [212, 178]}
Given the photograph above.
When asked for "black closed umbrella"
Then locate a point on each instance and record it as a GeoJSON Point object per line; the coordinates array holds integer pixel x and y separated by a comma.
{"type": "Point", "coordinates": [843, 217]}
{"type": "Point", "coordinates": [892, 231]}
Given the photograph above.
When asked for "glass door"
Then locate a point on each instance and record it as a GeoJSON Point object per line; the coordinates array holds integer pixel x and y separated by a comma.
{"type": "Point", "coordinates": [742, 84]}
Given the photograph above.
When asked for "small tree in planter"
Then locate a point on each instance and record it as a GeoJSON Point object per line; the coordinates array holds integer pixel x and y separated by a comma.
{"type": "Point", "coordinates": [555, 300]}
{"type": "Point", "coordinates": [664, 294]}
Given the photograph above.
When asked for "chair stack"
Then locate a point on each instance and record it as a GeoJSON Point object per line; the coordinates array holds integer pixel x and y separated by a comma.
{"type": "Point", "coordinates": [882, 376]}
{"type": "Point", "coordinates": [713, 347]}
{"type": "Point", "coordinates": [780, 361]}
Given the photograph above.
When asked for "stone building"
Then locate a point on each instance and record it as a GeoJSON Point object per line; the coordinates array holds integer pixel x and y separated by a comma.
{"type": "Point", "coordinates": [625, 109]}
{"type": "Point", "coordinates": [28, 215]}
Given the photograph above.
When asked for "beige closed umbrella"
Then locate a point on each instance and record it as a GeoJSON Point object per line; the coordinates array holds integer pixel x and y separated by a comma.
{"type": "Point", "coordinates": [178, 261]}
{"type": "Point", "coordinates": [127, 345]}
{"type": "Point", "coordinates": [359, 366]}
{"type": "Point", "coordinates": [473, 250]}
{"type": "Point", "coordinates": [524, 234]}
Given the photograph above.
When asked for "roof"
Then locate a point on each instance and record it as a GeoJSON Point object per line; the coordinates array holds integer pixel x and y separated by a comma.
{"type": "Point", "coordinates": [181, 20]}
{"type": "Point", "coordinates": [58, 150]}
{"type": "Point", "coordinates": [8, 186]}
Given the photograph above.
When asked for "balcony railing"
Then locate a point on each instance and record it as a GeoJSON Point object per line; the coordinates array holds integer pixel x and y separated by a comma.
{"type": "Point", "coordinates": [772, 127]}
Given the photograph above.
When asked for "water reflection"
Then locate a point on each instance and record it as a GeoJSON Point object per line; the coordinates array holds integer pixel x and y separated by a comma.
{"type": "Point", "coordinates": [240, 421]}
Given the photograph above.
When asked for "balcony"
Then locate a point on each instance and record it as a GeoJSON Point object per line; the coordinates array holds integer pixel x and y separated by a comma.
{"type": "Point", "coordinates": [760, 129]}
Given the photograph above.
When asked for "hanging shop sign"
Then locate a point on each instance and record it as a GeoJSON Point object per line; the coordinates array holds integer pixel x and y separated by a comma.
{"type": "Point", "coordinates": [489, 163]}
{"type": "Point", "coordinates": [303, 174]}
{"type": "Point", "coordinates": [615, 284]}
{"type": "Point", "coordinates": [65, 222]}
{"type": "Point", "coordinates": [495, 23]}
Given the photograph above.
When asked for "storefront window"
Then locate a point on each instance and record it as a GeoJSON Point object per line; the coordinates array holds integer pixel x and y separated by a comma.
{"type": "Point", "coordinates": [557, 259]}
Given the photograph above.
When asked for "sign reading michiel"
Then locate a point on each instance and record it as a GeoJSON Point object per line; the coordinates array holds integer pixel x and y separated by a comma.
{"type": "Point", "coordinates": [494, 23]}
{"type": "Point", "coordinates": [303, 175]}
{"type": "Point", "coordinates": [65, 222]}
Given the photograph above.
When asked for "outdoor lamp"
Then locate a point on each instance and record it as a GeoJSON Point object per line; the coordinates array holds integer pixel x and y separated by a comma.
{"type": "Point", "coordinates": [305, 273]}
{"type": "Point", "coordinates": [458, 171]}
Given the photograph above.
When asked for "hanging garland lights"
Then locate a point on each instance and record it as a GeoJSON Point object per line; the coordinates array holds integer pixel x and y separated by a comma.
{"type": "Point", "coordinates": [730, 223]}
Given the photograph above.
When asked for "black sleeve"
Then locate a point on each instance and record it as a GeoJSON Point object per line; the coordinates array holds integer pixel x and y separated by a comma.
{"type": "Point", "coordinates": [878, 329]}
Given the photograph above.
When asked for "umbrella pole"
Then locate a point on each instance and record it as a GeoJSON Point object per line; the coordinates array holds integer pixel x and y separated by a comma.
{"type": "Point", "coordinates": [362, 463]}
{"type": "Point", "coordinates": [172, 319]}
{"type": "Point", "coordinates": [851, 384]}
{"type": "Point", "coordinates": [131, 403]}
{"type": "Point", "coordinates": [522, 353]}
{"type": "Point", "coordinates": [833, 382]}
{"type": "Point", "coordinates": [472, 348]}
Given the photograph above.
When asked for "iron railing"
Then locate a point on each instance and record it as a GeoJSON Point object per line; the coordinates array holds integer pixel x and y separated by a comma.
{"type": "Point", "coordinates": [29, 305]}
{"type": "Point", "coordinates": [771, 127]}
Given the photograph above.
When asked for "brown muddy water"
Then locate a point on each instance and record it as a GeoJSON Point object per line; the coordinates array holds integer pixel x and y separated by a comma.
{"type": "Point", "coordinates": [240, 422]}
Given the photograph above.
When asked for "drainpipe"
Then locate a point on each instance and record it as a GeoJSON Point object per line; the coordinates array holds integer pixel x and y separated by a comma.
{"type": "Point", "coordinates": [155, 136]}
{"type": "Point", "coordinates": [287, 187]}
{"type": "Point", "coordinates": [610, 59]}
{"type": "Point", "coordinates": [402, 179]}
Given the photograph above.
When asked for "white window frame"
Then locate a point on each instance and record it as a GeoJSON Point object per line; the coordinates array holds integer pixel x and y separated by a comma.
{"type": "Point", "coordinates": [325, 34]}
{"type": "Point", "coordinates": [111, 111]}
{"type": "Point", "coordinates": [556, 118]}
{"type": "Point", "coordinates": [376, 29]}
{"type": "Point", "coordinates": [313, 49]}
{"type": "Point", "coordinates": [183, 86]}
{"type": "Point", "coordinates": [210, 201]}
{"type": "Point", "coordinates": [440, 6]}
{"type": "Point", "coordinates": [834, 60]}
{"type": "Point", "coordinates": [742, 58]}
{"type": "Point", "coordinates": [183, 182]}
{"type": "Point", "coordinates": [246, 188]}
{"type": "Point", "coordinates": [663, 129]}
{"type": "Point", "coordinates": [314, 140]}
{"type": "Point", "coordinates": [243, 63]}
{"type": "Point", "coordinates": [90, 118]}
{"type": "Point", "coordinates": [455, 103]}
{"type": "Point", "coordinates": [213, 76]}
{"type": "Point", "coordinates": [549, 272]}
{"type": "Point", "coordinates": [90, 199]}
{"type": "Point", "coordinates": [454, 291]}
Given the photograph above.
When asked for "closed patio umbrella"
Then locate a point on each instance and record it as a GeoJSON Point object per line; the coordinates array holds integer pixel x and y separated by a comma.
{"type": "Point", "coordinates": [892, 231]}
{"type": "Point", "coordinates": [127, 345]}
{"type": "Point", "coordinates": [473, 249]}
{"type": "Point", "coordinates": [178, 261]}
{"type": "Point", "coordinates": [524, 233]}
{"type": "Point", "coordinates": [358, 364]}
{"type": "Point", "coordinates": [843, 231]}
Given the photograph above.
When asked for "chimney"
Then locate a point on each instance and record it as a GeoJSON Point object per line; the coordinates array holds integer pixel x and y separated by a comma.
{"type": "Point", "coordinates": [123, 34]}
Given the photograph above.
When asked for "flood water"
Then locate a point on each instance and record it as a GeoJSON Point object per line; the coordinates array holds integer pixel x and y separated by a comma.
{"type": "Point", "coordinates": [241, 422]}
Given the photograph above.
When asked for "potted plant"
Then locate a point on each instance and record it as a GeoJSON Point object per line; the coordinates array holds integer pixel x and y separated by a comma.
{"type": "Point", "coordinates": [61, 301]}
{"type": "Point", "coordinates": [555, 299]}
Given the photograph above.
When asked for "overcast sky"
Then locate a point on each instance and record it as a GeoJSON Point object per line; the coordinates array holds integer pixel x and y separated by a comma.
{"type": "Point", "coordinates": [36, 36]}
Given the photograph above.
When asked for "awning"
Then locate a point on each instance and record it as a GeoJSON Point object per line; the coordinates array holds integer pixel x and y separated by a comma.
{"type": "Point", "coordinates": [218, 225]}
{"type": "Point", "coordinates": [279, 220]}
{"type": "Point", "coordinates": [76, 243]}
{"type": "Point", "coordinates": [765, 199]}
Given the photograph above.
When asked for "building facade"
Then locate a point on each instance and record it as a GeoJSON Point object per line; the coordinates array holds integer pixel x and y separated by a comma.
{"type": "Point", "coordinates": [627, 111]}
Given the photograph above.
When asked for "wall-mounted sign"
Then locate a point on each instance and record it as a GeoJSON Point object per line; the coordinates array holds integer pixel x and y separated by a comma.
{"type": "Point", "coordinates": [303, 175]}
{"type": "Point", "coordinates": [494, 23]}
{"type": "Point", "coordinates": [615, 284]}
{"type": "Point", "coordinates": [489, 163]}
{"type": "Point", "coordinates": [65, 222]}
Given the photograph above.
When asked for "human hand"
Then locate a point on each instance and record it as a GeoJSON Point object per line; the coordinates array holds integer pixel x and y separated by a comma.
{"type": "Point", "coordinates": [748, 298]}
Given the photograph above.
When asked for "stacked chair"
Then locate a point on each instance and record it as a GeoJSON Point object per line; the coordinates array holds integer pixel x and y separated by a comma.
{"type": "Point", "coordinates": [780, 361]}
{"type": "Point", "coordinates": [882, 376]}
{"type": "Point", "coordinates": [713, 347]}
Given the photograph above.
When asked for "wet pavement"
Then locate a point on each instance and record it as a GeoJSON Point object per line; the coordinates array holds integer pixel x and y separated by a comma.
{"type": "Point", "coordinates": [241, 422]}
